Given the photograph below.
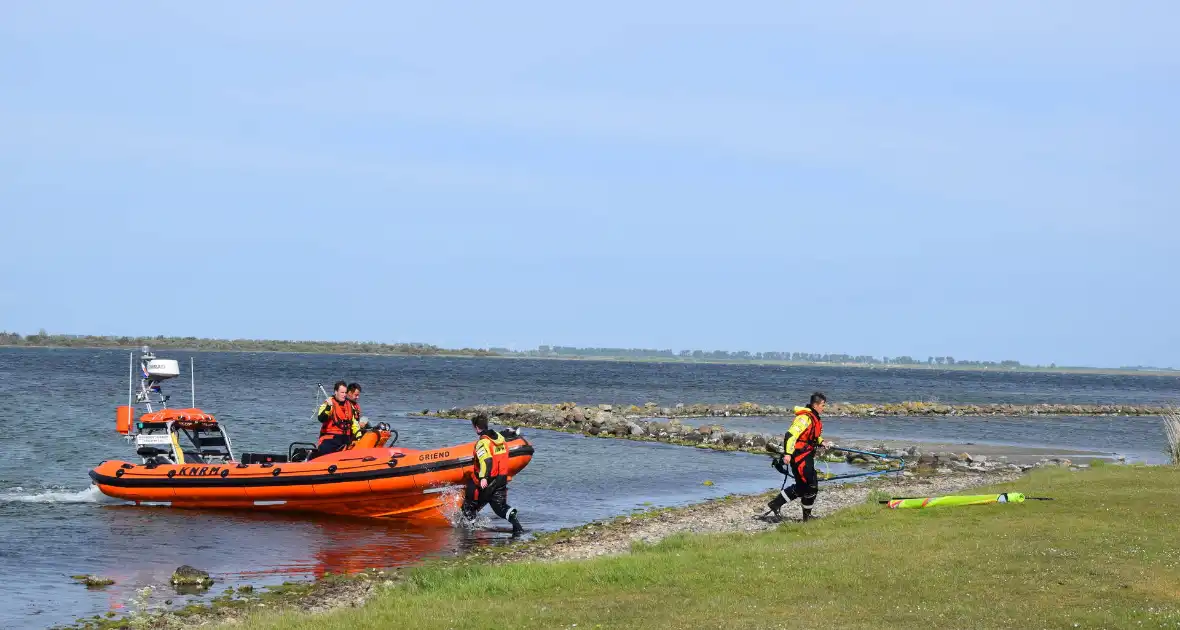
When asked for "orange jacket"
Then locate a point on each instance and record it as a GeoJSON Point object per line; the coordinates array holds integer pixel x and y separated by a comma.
{"type": "Point", "coordinates": [491, 456]}
{"type": "Point", "coordinates": [805, 434]}
{"type": "Point", "coordinates": [335, 418]}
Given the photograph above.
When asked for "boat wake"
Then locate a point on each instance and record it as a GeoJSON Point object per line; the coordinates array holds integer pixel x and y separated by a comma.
{"type": "Point", "coordinates": [55, 495]}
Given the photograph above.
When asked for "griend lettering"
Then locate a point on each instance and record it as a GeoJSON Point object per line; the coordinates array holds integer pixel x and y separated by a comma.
{"type": "Point", "coordinates": [429, 457]}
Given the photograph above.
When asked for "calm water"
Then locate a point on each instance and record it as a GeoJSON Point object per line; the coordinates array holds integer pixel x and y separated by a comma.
{"type": "Point", "coordinates": [59, 423]}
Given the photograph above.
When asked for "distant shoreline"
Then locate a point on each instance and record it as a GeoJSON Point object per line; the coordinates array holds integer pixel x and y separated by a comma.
{"type": "Point", "coordinates": [56, 342]}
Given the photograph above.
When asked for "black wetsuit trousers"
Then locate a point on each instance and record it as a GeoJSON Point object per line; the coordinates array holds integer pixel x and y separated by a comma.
{"type": "Point", "coordinates": [806, 483]}
{"type": "Point", "coordinates": [495, 495]}
{"type": "Point", "coordinates": [332, 444]}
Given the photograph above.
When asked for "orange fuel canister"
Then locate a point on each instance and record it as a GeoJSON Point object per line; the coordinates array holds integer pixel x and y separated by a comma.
{"type": "Point", "coordinates": [123, 416]}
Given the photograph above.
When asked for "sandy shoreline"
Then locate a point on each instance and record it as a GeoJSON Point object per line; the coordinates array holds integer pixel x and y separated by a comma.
{"type": "Point", "coordinates": [731, 514]}
{"type": "Point", "coordinates": [931, 468]}
{"type": "Point", "coordinates": [941, 468]}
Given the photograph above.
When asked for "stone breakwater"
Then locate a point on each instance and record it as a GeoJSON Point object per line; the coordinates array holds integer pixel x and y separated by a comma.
{"type": "Point", "coordinates": [837, 410]}
{"type": "Point", "coordinates": [653, 424]}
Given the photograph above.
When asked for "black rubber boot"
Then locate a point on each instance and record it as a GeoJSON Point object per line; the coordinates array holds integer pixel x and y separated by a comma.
{"type": "Point", "coordinates": [772, 515]}
{"type": "Point", "coordinates": [806, 515]}
{"type": "Point", "coordinates": [776, 504]}
{"type": "Point", "coordinates": [517, 529]}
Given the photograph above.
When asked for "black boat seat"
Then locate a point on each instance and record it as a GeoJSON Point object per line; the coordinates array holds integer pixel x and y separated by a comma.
{"type": "Point", "coordinates": [212, 440]}
{"type": "Point", "coordinates": [302, 451]}
{"type": "Point", "coordinates": [262, 458]}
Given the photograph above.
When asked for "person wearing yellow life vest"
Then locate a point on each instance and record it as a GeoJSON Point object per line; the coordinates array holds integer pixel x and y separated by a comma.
{"type": "Point", "coordinates": [800, 443]}
{"type": "Point", "coordinates": [354, 399]}
{"type": "Point", "coordinates": [487, 482]}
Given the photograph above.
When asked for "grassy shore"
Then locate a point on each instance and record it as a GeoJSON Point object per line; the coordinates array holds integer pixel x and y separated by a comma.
{"type": "Point", "coordinates": [1104, 554]}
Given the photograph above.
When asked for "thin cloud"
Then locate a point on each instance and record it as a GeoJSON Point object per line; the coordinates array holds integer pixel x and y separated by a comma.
{"type": "Point", "coordinates": [1072, 32]}
{"type": "Point", "coordinates": [965, 152]}
{"type": "Point", "coordinates": [72, 137]}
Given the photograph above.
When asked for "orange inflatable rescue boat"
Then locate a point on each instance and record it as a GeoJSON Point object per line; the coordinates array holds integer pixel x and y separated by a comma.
{"type": "Point", "coordinates": [188, 461]}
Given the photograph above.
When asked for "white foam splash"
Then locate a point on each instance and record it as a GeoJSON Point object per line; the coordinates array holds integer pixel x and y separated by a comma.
{"type": "Point", "coordinates": [54, 495]}
{"type": "Point", "coordinates": [452, 510]}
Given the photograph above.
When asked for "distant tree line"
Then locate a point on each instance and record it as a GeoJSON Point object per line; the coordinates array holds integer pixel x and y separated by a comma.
{"type": "Point", "coordinates": [745, 355]}
{"type": "Point", "coordinates": [42, 339]}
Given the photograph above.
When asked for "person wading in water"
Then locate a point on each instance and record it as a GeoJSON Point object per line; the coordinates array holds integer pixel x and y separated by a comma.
{"type": "Point", "coordinates": [487, 481]}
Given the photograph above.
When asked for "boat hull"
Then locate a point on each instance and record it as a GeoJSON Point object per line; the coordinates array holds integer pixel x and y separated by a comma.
{"type": "Point", "coordinates": [389, 483]}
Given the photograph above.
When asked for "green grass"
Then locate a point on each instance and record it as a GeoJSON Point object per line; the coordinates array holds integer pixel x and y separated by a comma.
{"type": "Point", "coordinates": [1104, 554]}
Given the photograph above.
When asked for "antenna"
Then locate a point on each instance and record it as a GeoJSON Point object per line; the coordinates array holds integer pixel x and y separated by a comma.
{"type": "Point", "coordinates": [130, 379]}
{"type": "Point", "coordinates": [192, 381]}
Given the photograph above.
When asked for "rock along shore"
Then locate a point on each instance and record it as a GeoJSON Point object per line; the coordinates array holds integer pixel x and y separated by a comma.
{"type": "Point", "coordinates": [653, 424]}
{"type": "Point", "coordinates": [834, 410]}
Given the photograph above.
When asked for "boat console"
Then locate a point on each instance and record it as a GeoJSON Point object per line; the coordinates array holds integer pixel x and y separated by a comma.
{"type": "Point", "coordinates": [191, 436]}
{"type": "Point", "coordinates": [168, 436]}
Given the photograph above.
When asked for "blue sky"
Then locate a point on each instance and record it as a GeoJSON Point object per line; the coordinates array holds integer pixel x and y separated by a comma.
{"type": "Point", "coordinates": [990, 181]}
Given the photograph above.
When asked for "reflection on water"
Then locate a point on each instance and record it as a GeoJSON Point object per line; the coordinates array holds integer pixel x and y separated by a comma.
{"type": "Point", "coordinates": [236, 548]}
{"type": "Point", "coordinates": [292, 545]}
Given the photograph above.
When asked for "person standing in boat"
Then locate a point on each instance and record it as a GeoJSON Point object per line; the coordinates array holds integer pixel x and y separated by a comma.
{"type": "Point", "coordinates": [487, 482]}
{"type": "Point", "coordinates": [336, 418]}
{"type": "Point", "coordinates": [801, 441]}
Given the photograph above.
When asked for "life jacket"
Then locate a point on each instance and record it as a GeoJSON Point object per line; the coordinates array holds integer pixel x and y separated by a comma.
{"type": "Point", "coordinates": [340, 421]}
{"type": "Point", "coordinates": [493, 444]}
{"type": "Point", "coordinates": [811, 436]}
{"type": "Point", "coordinates": [355, 425]}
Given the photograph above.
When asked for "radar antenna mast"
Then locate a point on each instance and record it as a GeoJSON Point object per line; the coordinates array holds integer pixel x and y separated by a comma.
{"type": "Point", "coordinates": [154, 372]}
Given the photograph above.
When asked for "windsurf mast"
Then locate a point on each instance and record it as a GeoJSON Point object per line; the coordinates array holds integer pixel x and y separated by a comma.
{"type": "Point", "coordinates": [901, 503]}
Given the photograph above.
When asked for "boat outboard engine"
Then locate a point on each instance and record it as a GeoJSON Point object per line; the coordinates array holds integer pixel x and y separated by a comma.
{"type": "Point", "coordinates": [374, 437]}
{"type": "Point", "coordinates": [388, 432]}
